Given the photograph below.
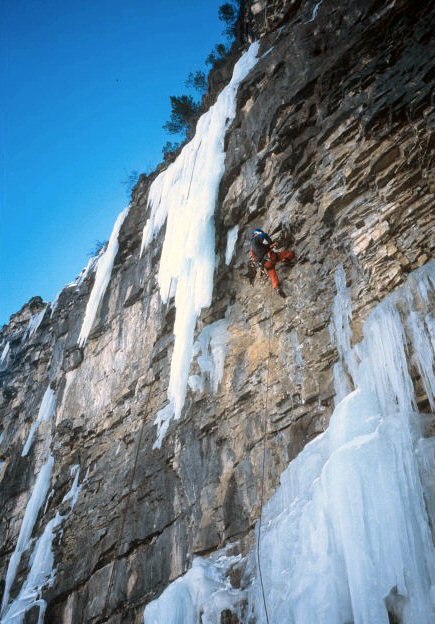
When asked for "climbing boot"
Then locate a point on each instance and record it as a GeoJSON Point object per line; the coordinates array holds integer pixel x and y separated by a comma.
{"type": "Point", "coordinates": [280, 292]}
{"type": "Point", "coordinates": [251, 272]}
{"type": "Point", "coordinates": [290, 257]}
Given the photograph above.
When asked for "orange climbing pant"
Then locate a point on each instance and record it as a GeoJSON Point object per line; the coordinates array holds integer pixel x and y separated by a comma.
{"type": "Point", "coordinates": [274, 257]}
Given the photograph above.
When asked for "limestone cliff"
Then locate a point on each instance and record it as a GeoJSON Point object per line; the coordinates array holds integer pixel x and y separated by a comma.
{"type": "Point", "coordinates": [332, 150]}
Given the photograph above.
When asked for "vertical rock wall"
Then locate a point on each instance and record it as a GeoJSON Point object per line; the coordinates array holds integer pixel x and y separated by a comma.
{"type": "Point", "coordinates": [332, 150]}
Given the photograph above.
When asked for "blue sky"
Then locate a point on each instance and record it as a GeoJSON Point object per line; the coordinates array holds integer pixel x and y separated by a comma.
{"type": "Point", "coordinates": [87, 88]}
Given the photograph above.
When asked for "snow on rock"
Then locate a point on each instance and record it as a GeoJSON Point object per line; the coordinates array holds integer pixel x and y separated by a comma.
{"type": "Point", "coordinates": [210, 350]}
{"type": "Point", "coordinates": [46, 411]}
{"type": "Point", "coordinates": [185, 196]}
{"type": "Point", "coordinates": [346, 537]}
{"type": "Point", "coordinates": [199, 596]}
{"type": "Point", "coordinates": [33, 507]}
{"type": "Point", "coordinates": [231, 243]}
{"type": "Point", "coordinates": [90, 266]}
{"type": "Point", "coordinates": [102, 278]}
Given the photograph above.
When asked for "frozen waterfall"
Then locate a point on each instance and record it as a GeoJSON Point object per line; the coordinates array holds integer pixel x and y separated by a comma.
{"type": "Point", "coordinates": [185, 196]}
{"type": "Point", "coordinates": [346, 537]}
{"type": "Point", "coordinates": [40, 575]}
{"type": "Point", "coordinates": [46, 411]}
{"type": "Point", "coordinates": [42, 571]}
{"type": "Point", "coordinates": [33, 508]}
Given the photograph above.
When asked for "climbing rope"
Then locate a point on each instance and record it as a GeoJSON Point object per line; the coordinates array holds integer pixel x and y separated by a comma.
{"type": "Point", "coordinates": [193, 169]}
{"type": "Point", "coordinates": [264, 468]}
{"type": "Point", "coordinates": [265, 17]}
{"type": "Point", "coordinates": [124, 513]}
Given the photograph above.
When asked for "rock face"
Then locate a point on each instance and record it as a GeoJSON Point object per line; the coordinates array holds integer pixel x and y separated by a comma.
{"type": "Point", "coordinates": [332, 150]}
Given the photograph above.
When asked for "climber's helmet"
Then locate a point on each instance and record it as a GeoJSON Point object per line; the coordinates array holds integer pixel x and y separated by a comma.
{"type": "Point", "coordinates": [257, 232]}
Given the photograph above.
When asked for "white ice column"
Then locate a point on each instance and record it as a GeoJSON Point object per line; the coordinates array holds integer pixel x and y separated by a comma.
{"type": "Point", "coordinates": [184, 196]}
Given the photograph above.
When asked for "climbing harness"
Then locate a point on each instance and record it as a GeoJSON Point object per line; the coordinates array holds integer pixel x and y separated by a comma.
{"type": "Point", "coordinates": [264, 468]}
{"type": "Point", "coordinates": [263, 271]}
{"type": "Point", "coordinates": [264, 276]}
{"type": "Point", "coordinates": [124, 513]}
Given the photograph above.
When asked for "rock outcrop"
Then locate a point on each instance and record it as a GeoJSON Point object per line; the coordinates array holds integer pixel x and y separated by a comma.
{"type": "Point", "coordinates": [332, 150]}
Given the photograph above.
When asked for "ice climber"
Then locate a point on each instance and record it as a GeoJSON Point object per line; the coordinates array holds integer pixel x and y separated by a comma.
{"type": "Point", "coordinates": [263, 255]}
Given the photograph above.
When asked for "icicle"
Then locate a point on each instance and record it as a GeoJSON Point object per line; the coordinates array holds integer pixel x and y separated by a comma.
{"type": "Point", "coordinates": [42, 571]}
{"type": "Point", "coordinates": [72, 495]}
{"type": "Point", "coordinates": [385, 362]}
{"type": "Point", "coordinates": [210, 349]}
{"type": "Point", "coordinates": [185, 195]}
{"type": "Point", "coordinates": [102, 278]}
{"type": "Point", "coordinates": [163, 418]}
{"type": "Point", "coordinates": [341, 383]}
{"type": "Point", "coordinates": [231, 243]}
{"type": "Point", "coordinates": [41, 575]}
{"type": "Point", "coordinates": [341, 335]}
{"type": "Point", "coordinates": [423, 350]}
{"type": "Point", "coordinates": [346, 537]}
{"type": "Point", "coordinates": [46, 411]}
{"type": "Point", "coordinates": [423, 281]}
{"type": "Point", "coordinates": [5, 353]}
{"type": "Point", "coordinates": [35, 503]}
{"type": "Point", "coordinates": [34, 323]}
{"type": "Point", "coordinates": [54, 304]}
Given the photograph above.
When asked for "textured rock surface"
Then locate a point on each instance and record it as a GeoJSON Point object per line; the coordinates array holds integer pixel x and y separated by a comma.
{"type": "Point", "coordinates": [332, 149]}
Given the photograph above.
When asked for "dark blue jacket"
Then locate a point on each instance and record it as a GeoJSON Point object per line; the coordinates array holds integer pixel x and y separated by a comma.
{"type": "Point", "coordinates": [260, 245]}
